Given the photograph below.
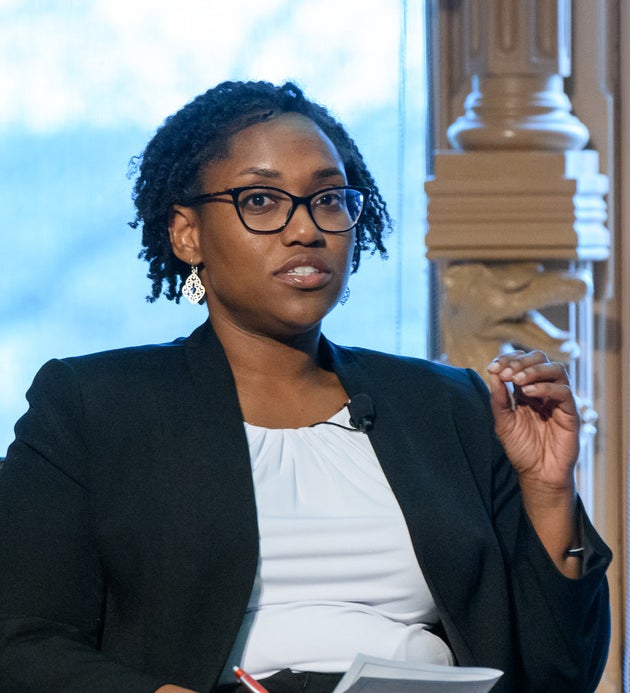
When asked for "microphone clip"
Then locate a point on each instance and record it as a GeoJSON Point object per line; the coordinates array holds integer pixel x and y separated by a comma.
{"type": "Point", "coordinates": [362, 412]}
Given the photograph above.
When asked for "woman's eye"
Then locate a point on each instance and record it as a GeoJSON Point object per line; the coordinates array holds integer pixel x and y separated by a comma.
{"type": "Point", "coordinates": [257, 202]}
{"type": "Point", "coordinates": [331, 200]}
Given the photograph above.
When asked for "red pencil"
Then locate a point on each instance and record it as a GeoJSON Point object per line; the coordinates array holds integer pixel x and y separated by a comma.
{"type": "Point", "coordinates": [248, 681]}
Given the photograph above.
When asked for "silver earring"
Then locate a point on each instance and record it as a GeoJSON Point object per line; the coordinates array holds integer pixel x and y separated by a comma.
{"type": "Point", "coordinates": [193, 288]}
{"type": "Point", "coordinates": [345, 296]}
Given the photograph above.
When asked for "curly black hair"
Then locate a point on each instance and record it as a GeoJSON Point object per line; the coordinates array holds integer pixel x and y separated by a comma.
{"type": "Point", "coordinates": [172, 164]}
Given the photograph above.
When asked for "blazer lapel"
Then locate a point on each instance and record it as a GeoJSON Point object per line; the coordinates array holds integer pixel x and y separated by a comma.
{"type": "Point", "coordinates": [216, 508]}
{"type": "Point", "coordinates": [218, 435]}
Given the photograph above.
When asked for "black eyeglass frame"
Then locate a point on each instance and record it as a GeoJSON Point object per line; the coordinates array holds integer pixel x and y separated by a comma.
{"type": "Point", "coordinates": [296, 201]}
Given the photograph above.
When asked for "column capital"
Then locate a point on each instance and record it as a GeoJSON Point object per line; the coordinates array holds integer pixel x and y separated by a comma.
{"type": "Point", "coordinates": [515, 55]}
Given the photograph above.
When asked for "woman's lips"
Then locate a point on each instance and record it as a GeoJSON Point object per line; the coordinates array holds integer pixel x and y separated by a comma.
{"type": "Point", "coordinates": [306, 273]}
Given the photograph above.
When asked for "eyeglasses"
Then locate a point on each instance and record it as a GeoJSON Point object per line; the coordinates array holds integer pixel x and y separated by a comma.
{"type": "Point", "coordinates": [264, 209]}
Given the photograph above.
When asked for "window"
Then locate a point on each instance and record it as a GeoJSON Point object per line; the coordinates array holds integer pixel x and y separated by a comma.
{"type": "Point", "coordinates": [102, 77]}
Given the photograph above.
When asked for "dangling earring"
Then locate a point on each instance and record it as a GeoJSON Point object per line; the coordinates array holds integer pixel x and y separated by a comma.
{"type": "Point", "coordinates": [193, 289]}
{"type": "Point", "coordinates": [345, 296]}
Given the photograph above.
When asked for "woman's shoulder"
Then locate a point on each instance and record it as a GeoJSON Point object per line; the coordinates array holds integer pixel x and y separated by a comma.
{"type": "Point", "coordinates": [135, 355]}
{"type": "Point", "coordinates": [124, 361]}
{"type": "Point", "coordinates": [420, 386]}
{"type": "Point", "coordinates": [408, 366]}
{"type": "Point", "coordinates": [124, 365]}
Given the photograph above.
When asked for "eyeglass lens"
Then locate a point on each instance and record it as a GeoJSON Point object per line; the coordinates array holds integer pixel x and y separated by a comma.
{"type": "Point", "coordinates": [333, 210]}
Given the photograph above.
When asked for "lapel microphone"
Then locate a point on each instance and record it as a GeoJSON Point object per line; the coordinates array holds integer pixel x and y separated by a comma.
{"type": "Point", "coordinates": [362, 412]}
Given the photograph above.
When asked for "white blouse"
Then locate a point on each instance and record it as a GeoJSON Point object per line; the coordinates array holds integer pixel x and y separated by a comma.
{"type": "Point", "coordinates": [337, 574]}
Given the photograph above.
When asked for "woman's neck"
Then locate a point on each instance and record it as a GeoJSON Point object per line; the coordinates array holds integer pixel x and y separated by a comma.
{"type": "Point", "coordinates": [280, 382]}
{"type": "Point", "coordinates": [277, 357]}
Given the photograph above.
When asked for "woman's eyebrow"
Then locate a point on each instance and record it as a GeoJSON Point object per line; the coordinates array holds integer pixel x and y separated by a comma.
{"type": "Point", "coordinates": [271, 173]}
{"type": "Point", "coordinates": [264, 172]}
{"type": "Point", "coordinates": [328, 172]}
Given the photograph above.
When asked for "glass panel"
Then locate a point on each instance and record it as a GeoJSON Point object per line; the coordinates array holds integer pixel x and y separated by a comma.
{"type": "Point", "coordinates": [84, 87]}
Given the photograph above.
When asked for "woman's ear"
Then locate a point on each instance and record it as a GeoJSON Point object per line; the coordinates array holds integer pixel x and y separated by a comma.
{"type": "Point", "coordinates": [183, 230]}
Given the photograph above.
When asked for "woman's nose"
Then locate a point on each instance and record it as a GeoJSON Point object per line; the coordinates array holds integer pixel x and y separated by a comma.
{"type": "Point", "coordinates": [301, 228]}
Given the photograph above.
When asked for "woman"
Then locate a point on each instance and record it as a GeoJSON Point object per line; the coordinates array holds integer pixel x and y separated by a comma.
{"type": "Point", "coordinates": [171, 511]}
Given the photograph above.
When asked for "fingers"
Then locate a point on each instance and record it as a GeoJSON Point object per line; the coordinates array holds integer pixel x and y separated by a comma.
{"type": "Point", "coordinates": [537, 382]}
{"type": "Point", "coordinates": [528, 369]}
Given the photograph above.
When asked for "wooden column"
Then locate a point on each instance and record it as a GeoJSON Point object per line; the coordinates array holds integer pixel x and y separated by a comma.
{"type": "Point", "coordinates": [516, 208]}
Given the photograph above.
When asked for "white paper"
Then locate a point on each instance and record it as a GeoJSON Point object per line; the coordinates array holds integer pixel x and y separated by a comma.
{"type": "Point", "coordinates": [375, 675]}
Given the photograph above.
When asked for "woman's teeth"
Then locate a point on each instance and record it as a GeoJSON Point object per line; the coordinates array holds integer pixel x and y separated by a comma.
{"type": "Point", "coordinates": [303, 271]}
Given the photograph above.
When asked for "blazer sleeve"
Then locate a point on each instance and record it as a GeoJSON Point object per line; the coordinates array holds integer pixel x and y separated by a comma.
{"type": "Point", "coordinates": [562, 625]}
{"type": "Point", "coordinates": [51, 581]}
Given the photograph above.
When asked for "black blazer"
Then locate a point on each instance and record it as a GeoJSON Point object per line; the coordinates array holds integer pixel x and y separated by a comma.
{"type": "Point", "coordinates": [129, 541]}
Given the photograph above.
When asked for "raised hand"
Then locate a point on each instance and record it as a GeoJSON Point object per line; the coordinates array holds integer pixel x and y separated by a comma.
{"type": "Point", "coordinates": [537, 422]}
